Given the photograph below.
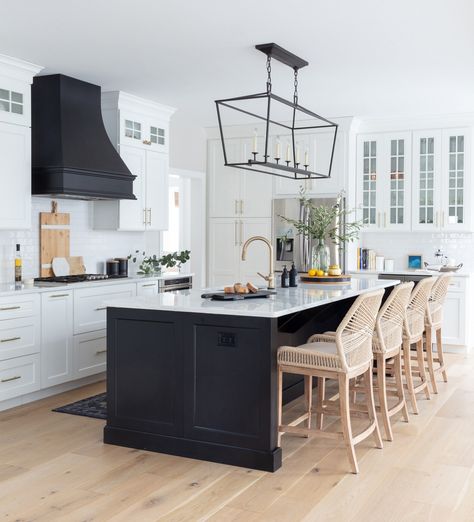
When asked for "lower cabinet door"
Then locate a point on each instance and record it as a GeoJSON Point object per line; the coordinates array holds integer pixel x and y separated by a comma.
{"type": "Point", "coordinates": [56, 337]}
{"type": "Point", "coordinates": [454, 324]}
{"type": "Point", "coordinates": [90, 353]}
{"type": "Point", "coordinates": [19, 376]}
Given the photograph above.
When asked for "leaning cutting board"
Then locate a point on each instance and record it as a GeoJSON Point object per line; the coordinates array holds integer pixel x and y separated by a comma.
{"type": "Point", "coordinates": [65, 266]}
{"type": "Point", "coordinates": [54, 239]}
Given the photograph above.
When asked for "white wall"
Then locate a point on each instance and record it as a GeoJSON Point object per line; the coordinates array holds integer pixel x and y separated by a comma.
{"type": "Point", "coordinates": [95, 245]}
{"type": "Point", "coordinates": [188, 145]}
{"type": "Point", "coordinates": [397, 246]}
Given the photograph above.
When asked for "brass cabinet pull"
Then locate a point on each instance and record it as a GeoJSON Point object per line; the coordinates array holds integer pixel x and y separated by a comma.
{"type": "Point", "coordinates": [11, 339]}
{"type": "Point", "coordinates": [59, 295]}
{"type": "Point", "coordinates": [378, 219]}
{"type": "Point", "coordinates": [236, 242]}
{"type": "Point", "coordinates": [98, 352]}
{"type": "Point", "coordinates": [385, 220]}
{"type": "Point", "coordinates": [150, 284]}
{"type": "Point", "coordinates": [149, 216]}
{"type": "Point", "coordinates": [100, 308]}
{"type": "Point", "coordinates": [241, 232]}
{"type": "Point", "coordinates": [442, 218]}
{"type": "Point", "coordinates": [241, 206]}
{"type": "Point", "coordinates": [10, 308]}
{"type": "Point", "coordinates": [8, 379]}
{"type": "Point", "coordinates": [144, 216]}
{"type": "Point", "coordinates": [236, 211]}
{"type": "Point", "coordinates": [436, 218]}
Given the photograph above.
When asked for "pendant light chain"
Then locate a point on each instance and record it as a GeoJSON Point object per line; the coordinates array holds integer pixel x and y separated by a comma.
{"type": "Point", "coordinates": [295, 95]}
{"type": "Point", "coordinates": [269, 73]}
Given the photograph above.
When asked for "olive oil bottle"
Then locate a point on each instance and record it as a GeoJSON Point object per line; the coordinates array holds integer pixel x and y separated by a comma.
{"type": "Point", "coordinates": [18, 265]}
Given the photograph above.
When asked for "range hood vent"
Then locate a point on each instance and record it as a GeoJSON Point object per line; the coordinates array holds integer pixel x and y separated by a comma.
{"type": "Point", "coordinates": [72, 156]}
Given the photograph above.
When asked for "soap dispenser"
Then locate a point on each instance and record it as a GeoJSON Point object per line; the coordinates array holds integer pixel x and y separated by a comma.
{"type": "Point", "coordinates": [284, 278]}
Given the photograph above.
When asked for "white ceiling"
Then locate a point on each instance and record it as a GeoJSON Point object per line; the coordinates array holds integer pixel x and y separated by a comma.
{"type": "Point", "coordinates": [367, 57]}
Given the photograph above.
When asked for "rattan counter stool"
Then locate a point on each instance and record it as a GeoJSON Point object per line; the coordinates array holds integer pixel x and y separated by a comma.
{"type": "Point", "coordinates": [413, 330]}
{"type": "Point", "coordinates": [342, 356]}
{"type": "Point", "coordinates": [434, 323]}
{"type": "Point", "coordinates": [387, 346]}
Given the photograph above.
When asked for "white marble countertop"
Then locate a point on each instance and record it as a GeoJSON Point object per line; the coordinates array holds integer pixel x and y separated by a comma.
{"type": "Point", "coordinates": [9, 289]}
{"type": "Point", "coordinates": [286, 301]}
{"type": "Point", "coordinates": [461, 273]}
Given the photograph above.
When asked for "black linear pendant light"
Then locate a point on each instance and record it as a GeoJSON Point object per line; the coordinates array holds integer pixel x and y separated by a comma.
{"type": "Point", "coordinates": [285, 133]}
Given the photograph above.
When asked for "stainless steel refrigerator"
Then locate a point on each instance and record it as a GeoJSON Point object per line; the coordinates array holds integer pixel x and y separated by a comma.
{"type": "Point", "coordinates": [289, 246]}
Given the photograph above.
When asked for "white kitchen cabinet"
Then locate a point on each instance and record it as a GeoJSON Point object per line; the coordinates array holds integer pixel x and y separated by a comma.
{"type": "Point", "coordinates": [90, 313]}
{"type": "Point", "coordinates": [384, 180]}
{"type": "Point", "coordinates": [441, 180]}
{"type": "Point", "coordinates": [19, 376]}
{"type": "Point", "coordinates": [139, 129]}
{"type": "Point", "coordinates": [90, 354]}
{"type": "Point", "coordinates": [56, 337]}
{"type": "Point", "coordinates": [236, 192]}
{"type": "Point", "coordinates": [15, 168]}
{"type": "Point", "coordinates": [226, 238]}
{"type": "Point", "coordinates": [147, 288]}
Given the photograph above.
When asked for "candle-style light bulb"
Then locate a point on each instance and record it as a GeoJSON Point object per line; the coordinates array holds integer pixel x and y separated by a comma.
{"type": "Point", "coordinates": [297, 160]}
{"type": "Point", "coordinates": [288, 153]}
{"type": "Point", "coordinates": [255, 141]}
{"type": "Point", "coordinates": [278, 149]}
{"type": "Point", "coordinates": [306, 158]}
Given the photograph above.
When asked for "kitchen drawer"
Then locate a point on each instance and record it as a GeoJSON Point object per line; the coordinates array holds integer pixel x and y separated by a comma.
{"type": "Point", "coordinates": [147, 288]}
{"type": "Point", "coordinates": [457, 284]}
{"type": "Point", "coordinates": [90, 353]}
{"type": "Point", "coordinates": [19, 376]}
{"type": "Point", "coordinates": [19, 337]}
{"type": "Point", "coordinates": [89, 310]}
{"type": "Point", "coordinates": [15, 307]}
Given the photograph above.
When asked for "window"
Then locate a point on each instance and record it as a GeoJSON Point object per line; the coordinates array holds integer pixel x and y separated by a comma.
{"type": "Point", "coordinates": [157, 135]}
{"type": "Point", "coordinates": [11, 101]}
{"type": "Point", "coordinates": [133, 129]}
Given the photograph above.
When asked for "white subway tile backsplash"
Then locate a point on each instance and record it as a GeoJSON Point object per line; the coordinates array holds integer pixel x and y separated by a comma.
{"type": "Point", "coordinates": [95, 245]}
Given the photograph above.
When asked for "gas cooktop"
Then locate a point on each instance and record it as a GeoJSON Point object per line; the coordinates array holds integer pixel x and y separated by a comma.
{"type": "Point", "coordinates": [75, 278]}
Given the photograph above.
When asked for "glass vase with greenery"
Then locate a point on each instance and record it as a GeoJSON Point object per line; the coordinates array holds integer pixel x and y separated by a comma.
{"type": "Point", "coordinates": [151, 265]}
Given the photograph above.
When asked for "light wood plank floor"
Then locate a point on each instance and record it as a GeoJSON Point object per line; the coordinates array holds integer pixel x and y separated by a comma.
{"type": "Point", "coordinates": [54, 466]}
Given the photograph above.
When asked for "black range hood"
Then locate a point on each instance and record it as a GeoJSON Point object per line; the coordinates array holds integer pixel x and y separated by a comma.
{"type": "Point", "coordinates": [72, 156]}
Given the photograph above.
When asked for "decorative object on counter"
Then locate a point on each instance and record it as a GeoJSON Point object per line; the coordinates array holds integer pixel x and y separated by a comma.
{"type": "Point", "coordinates": [334, 270]}
{"type": "Point", "coordinates": [446, 268]}
{"type": "Point", "coordinates": [321, 223]}
{"type": "Point", "coordinates": [325, 279]}
{"type": "Point", "coordinates": [112, 267]}
{"type": "Point", "coordinates": [284, 278]}
{"type": "Point", "coordinates": [263, 112]}
{"type": "Point", "coordinates": [123, 266]}
{"type": "Point", "coordinates": [389, 265]}
{"type": "Point", "coordinates": [293, 276]}
{"type": "Point", "coordinates": [415, 262]}
{"type": "Point", "coordinates": [151, 265]}
{"type": "Point", "coordinates": [379, 263]}
{"type": "Point", "coordinates": [54, 238]}
{"type": "Point", "coordinates": [366, 259]}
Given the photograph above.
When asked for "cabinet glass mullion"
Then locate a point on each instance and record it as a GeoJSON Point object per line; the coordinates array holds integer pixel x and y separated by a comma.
{"type": "Point", "coordinates": [426, 181]}
{"type": "Point", "coordinates": [456, 180]}
{"type": "Point", "coordinates": [369, 182]}
{"type": "Point", "coordinates": [397, 181]}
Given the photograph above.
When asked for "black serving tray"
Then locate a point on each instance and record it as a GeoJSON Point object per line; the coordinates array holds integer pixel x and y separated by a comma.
{"type": "Point", "coordinates": [221, 296]}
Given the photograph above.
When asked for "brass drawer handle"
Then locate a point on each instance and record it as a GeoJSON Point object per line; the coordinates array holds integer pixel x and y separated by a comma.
{"type": "Point", "coordinates": [150, 284]}
{"type": "Point", "coordinates": [98, 352]}
{"type": "Point", "coordinates": [59, 295]}
{"type": "Point", "coordinates": [8, 379]}
{"type": "Point", "coordinates": [10, 339]}
{"type": "Point", "coordinates": [10, 308]}
{"type": "Point", "coordinates": [100, 308]}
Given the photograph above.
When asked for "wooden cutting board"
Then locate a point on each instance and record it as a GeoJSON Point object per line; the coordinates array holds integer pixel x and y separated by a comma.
{"type": "Point", "coordinates": [54, 238]}
{"type": "Point", "coordinates": [344, 279]}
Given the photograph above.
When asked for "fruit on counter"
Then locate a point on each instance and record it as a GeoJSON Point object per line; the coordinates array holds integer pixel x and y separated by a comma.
{"type": "Point", "coordinates": [320, 273]}
{"type": "Point", "coordinates": [312, 272]}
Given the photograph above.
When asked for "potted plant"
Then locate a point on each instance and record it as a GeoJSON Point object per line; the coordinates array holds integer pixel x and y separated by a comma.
{"type": "Point", "coordinates": [151, 265]}
{"type": "Point", "coordinates": [321, 224]}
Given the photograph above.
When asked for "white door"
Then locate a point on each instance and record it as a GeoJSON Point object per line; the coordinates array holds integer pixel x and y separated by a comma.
{"type": "Point", "coordinates": [258, 255]}
{"type": "Point", "coordinates": [157, 183]}
{"type": "Point", "coordinates": [224, 248]}
{"type": "Point", "coordinates": [456, 183]}
{"type": "Point", "coordinates": [15, 175]}
{"type": "Point", "coordinates": [132, 212]}
{"type": "Point", "coordinates": [56, 338]}
{"type": "Point", "coordinates": [427, 165]}
{"type": "Point", "coordinates": [224, 182]}
{"type": "Point", "coordinates": [395, 182]}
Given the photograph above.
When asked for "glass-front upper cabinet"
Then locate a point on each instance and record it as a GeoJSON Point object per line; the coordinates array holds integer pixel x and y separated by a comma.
{"type": "Point", "coordinates": [139, 131]}
{"type": "Point", "coordinates": [384, 179]}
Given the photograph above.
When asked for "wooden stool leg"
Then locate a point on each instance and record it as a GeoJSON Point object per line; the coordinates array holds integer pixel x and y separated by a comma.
{"type": "Point", "coordinates": [346, 421]}
{"type": "Point", "coordinates": [382, 385]}
{"type": "Point", "coordinates": [369, 394]}
{"type": "Point", "coordinates": [439, 349]}
{"type": "Point", "coordinates": [280, 403]}
{"type": "Point", "coordinates": [308, 395]}
{"type": "Point", "coordinates": [397, 367]}
{"type": "Point", "coordinates": [409, 376]}
{"type": "Point", "coordinates": [421, 365]}
{"type": "Point", "coordinates": [429, 358]}
{"type": "Point", "coordinates": [320, 399]}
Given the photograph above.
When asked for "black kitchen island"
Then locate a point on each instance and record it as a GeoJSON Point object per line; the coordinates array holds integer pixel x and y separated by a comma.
{"type": "Point", "coordinates": [197, 378]}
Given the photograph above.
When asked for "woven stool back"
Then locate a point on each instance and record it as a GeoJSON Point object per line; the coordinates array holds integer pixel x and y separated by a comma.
{"type": "Point", "coordinates": [389, 323]}
{"type": "Point", "coordinates": [434, 310]}
{"type": "Point", "coordinates": [414, 324]}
